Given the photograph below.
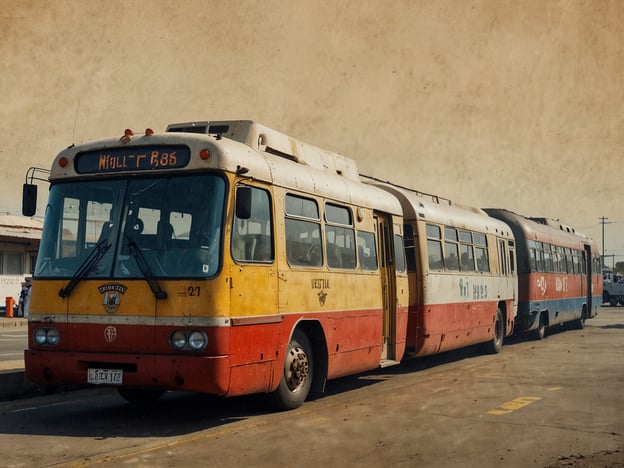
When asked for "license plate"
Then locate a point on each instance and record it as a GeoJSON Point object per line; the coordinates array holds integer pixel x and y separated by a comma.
{"type": "Point", "coordinates": [105, 376]}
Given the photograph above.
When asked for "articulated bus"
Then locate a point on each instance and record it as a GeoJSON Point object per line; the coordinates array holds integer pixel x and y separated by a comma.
{"type": "Point", "coordinates": [559, 273]}
{"type": "Point", "coordinates": [227, 258]}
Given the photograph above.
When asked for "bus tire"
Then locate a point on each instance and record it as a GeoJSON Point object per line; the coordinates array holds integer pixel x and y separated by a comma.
{"type": "Point", "coordinates": [495, 345]}
{"type": "Point", "coordinates": [140, 396]}
{"type": "Point", "coordinates": [540, 331]}
{"type": "Point", "coordinates": [580, 323]}
{"type": "Point", "coordinates": [296, 380]}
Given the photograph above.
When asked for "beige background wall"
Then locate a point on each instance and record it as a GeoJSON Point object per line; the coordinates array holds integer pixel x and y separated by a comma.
{"type": "Point", "coordinates": [516, 104]}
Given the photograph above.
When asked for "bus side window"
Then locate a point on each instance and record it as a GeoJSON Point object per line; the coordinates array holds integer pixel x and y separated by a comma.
{"type": "Point", "coordinates": [451, 249]}
{"type": "Point", "coordinates": [252, 238]}
{"type": "Point", "coordinates": [303, 231]}
{"type": "Point", "coordinates": [367, 250]}
{"type": "Point", "coordinates": [502, 257]}
{"type": "Point", "coordinates": [434, 247]}
{"type": "Point", "coordinates": [399, 254]}
{"type": "Point", "coordinates": [512, 256]}
{"type": "Point", "coordinates": [303, 243]}
{"type": "Point", "coordinates": [483, 261]}
{"type": "Point", "coordinates": [339, 236]}
{"type": "Point", "coordinates": [466, 249]}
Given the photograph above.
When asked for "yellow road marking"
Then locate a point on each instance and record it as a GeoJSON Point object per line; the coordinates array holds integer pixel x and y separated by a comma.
{"type": "Point", "coordinates": [554, 388]}
{"type": "Point", "coordinates": [513, 405]}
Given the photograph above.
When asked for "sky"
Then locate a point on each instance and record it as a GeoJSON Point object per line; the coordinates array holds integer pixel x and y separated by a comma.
{"type": "Point", "coordinates": [491, 103]}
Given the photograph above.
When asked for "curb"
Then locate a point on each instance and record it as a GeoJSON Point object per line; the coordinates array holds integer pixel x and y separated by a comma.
{"type": "Point", "coordinates": [13, 322]}
{"type": "Point", "coordinates": [13, 383]}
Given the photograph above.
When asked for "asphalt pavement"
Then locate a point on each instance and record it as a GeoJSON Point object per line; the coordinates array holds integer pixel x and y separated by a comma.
{"type": "Point", "coordinates": [13, 383]}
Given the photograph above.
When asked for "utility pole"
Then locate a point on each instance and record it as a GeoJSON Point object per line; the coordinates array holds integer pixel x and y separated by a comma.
{"type": "Point", "coordinates": [603, 221]}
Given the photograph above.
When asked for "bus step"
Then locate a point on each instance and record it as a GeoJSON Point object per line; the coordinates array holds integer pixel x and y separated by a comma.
{"type": "Point", "coordinates": [388, 363]}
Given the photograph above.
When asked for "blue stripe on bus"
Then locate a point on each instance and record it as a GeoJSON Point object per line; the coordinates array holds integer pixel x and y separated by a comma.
{"type": "Point", "coordinates": [559, 311]}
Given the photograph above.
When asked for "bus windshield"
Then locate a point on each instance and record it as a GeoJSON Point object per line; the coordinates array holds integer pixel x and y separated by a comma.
{"type": "Point", "coordinates": [158, 227]}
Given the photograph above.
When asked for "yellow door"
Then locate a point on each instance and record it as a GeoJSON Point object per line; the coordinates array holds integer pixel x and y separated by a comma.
{"type": "Point", "coordinates": [388, 284]}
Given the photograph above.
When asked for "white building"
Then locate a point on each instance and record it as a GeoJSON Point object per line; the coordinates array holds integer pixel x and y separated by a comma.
{"type": "Point", "coordinates": [19, 243]}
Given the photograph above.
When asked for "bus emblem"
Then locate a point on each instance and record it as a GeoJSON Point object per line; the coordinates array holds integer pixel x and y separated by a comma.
{"type": "Point", "coordinates": [110, 333]}
{"type": "Point", "coordinates": [111, 302]}
{"type": "Point", "coordinates": [322, 296]}
{"type": "Point", "coordinates": [112, 296]}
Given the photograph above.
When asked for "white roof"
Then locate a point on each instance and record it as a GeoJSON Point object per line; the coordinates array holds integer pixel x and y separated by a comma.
{"type": "Point", "coordinates": [20, 227]}
{"type": "Point", "coordinates": [422, 207]}
{"type": "Point", "coordinates": [259, 153]}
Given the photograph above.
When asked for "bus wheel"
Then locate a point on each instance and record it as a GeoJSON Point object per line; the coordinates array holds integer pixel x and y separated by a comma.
{"type": "Point", "coordinates": [140, 395]}
{"type": "Point", "coordinates": [540, 332]}
{"type": "Point", "coordinates": [496, 343]}
{"type": "Point", "coordinates": [297, 376]}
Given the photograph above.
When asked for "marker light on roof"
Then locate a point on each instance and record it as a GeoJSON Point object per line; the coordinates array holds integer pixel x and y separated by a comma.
{"type": "Point", "coordinates": [126, 136]}
{"type": "Point", "coordinates": [63, 162]}
{"type": "Point", "coordinates": [204, 154]}
{"type": "Point", "coordinates": [149, 131]}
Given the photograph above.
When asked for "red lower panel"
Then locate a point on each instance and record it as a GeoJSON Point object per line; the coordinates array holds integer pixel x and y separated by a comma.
{"type": "Point", "coordinates": [442, 327]}
{"type": "Point", "coordinates": [129, 339]}
{"type": "Point", "coordinates": [241, 359]}
{"type": "Point", "coordinates": [204, 374]}
{"type": "Point", "coordinates": [352, 362]}
{"type": "Point", "coordinates": [401, 331]}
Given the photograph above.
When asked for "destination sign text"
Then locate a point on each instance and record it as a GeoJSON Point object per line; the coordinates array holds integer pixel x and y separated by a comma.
{"type": "Point", "coordinates": [145, 158]}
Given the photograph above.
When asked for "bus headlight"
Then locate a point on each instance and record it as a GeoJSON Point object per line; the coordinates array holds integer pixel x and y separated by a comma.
{"type": "Point", "coordinates": [46, 336]}
{"type": "Point", "coordinates": [178, 340]}
{"type": "Point", "coordinates": [53, 336]}
{"type": "Point", "coordinates": [189, 340]}
{"type": "Point", "coordinates": [197, 340]}
{"type": "Point", "coordinates": [39, 336]}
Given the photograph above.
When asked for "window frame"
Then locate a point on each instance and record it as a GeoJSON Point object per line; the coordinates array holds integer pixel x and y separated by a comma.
{"type": "Point", "coordinates": [252, 240]}
{"type": "Point", "coordinates": [337, 256]}
{"type": "Point", "coordinates": [303, 254]}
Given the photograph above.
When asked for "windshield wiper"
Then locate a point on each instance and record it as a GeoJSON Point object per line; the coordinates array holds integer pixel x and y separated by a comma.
{"type": "Point", "coordinates": [87, 265]}
{"type": "Point", "coordinates": [145, 269]}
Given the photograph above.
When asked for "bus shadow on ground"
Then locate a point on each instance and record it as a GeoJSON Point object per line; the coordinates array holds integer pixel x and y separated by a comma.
{"type": "Point", "coordinates": [423, 363]}
{"type": "Point", "coordinates": [100, 413]}
{"type": "Point", "coordinates": [612, 326]}
{"type": "Point", "coordinates": [408, 366]}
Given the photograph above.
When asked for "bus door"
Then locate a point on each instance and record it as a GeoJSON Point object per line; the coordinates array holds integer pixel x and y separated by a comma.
{"type": "Point", "coordinates": [388, 286]}
{"type": "Point", "coordinates": [587, 264]}
{"type": "Point", "coordinates": [507, 266]}
{"type": "Point", "coordinates": [253, 276]}
{"type": "Point", "coordinates": [513, 274]}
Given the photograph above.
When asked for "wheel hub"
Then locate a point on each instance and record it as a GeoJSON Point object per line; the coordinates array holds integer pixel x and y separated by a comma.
{"type": "Point", "coordinates": [296, 368]}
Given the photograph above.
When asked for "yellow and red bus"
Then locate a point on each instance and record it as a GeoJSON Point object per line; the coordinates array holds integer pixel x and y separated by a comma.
{"type": "Point", "coordinates": [225, 257]}
{"type": "Point", "coordinates": [220, 257]}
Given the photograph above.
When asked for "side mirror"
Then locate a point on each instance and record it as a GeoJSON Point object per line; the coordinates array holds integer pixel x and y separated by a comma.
{"type": "Point", "coordinates": [243, 202]}
{"type": "Point", "coordinates": [29, 199]}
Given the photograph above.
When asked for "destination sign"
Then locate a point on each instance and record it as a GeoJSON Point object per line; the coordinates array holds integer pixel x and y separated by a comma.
{"type": "Point", "coordinates": [138, 158]}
